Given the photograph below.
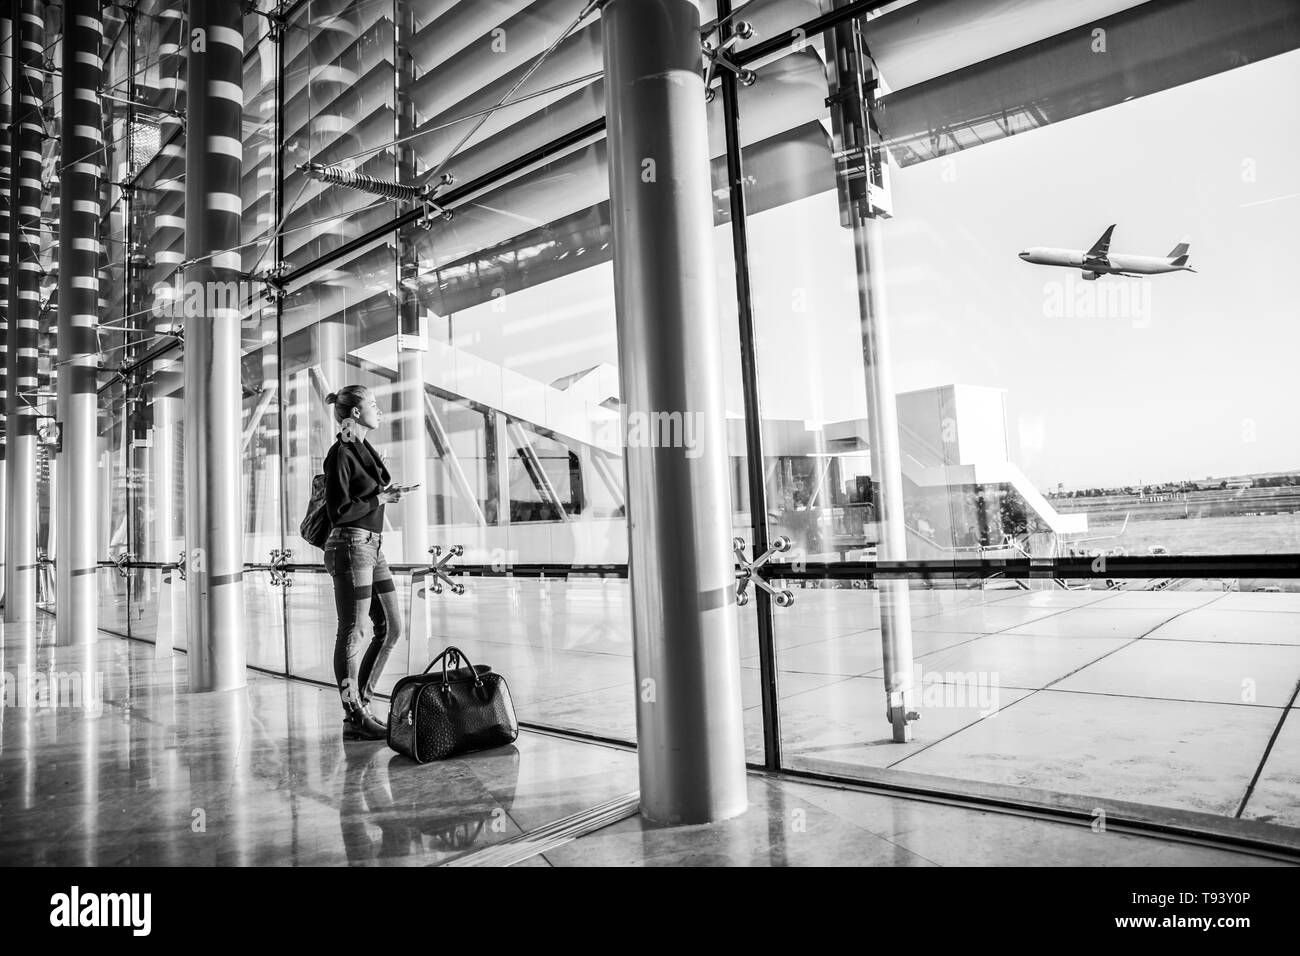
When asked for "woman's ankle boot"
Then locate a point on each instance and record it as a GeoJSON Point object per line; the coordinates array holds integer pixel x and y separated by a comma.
{"type": "Point", "coordinates": [360, 724]}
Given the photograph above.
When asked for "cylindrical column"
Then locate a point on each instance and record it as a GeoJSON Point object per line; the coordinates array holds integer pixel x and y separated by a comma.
{"type": "Point", "coordinates": [412, 441]}
{"type": "Point", "coordinates": [4, 488]}
{"type": "Point", "coordinates": [887, 474]}
{"type": "Point", "coordinates": [410, 432]}
{"type": "Point", "coordinates": [82, 135]}
{"type": "Point", "coordinates": [686, 644]}
{"type": "Point", "coordinates": [864, 204]}
{"type": "Point", "coordinates": [162, 228]}
{"type": "Point", "coordinates": [24, 308]}
{"type": "Point", "coordinates": [6, 171]}
{"type": "Point", "coordinates": [162, 239]}
{"type": "Point", "coordinates": [213, 398]}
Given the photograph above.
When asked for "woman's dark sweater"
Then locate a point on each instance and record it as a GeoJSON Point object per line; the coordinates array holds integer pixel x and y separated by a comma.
{"type": "Point", "coordinates": [354, 476]}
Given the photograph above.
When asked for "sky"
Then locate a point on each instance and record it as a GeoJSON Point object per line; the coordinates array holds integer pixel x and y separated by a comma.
{"type": "Point", "coordinates": [1193, 375]}
{"type": "Point", "coordinates": [1203, 380]}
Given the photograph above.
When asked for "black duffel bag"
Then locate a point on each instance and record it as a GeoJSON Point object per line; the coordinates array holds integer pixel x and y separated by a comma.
{"type": "Point", "coordinates": [456, 710]}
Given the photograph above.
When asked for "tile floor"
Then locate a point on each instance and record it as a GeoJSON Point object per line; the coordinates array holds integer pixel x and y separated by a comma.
{"type": "Point", "coordinates": [1170, 697]}
{"type": "Point", "coordinates": [127, 768]}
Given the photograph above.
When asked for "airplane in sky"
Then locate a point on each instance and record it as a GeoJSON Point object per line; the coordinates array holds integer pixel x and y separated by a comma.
{"type": "Point", "coordinates": [1099, 260]}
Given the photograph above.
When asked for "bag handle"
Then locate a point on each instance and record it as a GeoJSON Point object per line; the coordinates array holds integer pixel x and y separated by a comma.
{"type": "Point", "coordinates": [460, 655]}
{"type": "Point", "coordinates": [451, 650]}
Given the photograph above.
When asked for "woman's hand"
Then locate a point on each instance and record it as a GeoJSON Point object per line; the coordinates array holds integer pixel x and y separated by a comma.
{"type": "Point", "coordinates": [390, 495]}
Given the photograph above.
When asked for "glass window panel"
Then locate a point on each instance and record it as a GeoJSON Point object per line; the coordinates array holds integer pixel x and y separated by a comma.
{"type": "Point", "coordinates": [263, 532]}
{"type": "Point", "coordinates": [114, 509]}
{"type": "Point", "coordinates": [338, 103]}
{"type": "Point", "coordinates": [1040, 413]}
{"type": "Point", "coordinates": [157, 499]}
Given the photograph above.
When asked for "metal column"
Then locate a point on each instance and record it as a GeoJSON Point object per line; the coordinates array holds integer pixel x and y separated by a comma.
{"type": "Point", "coordinates": [214, 519]}
{"type": "Point", "coordinates": [77, 620]}
{"type": "Point", "coordinates": [408, 393]}
{"type": "Point", "coordinates": [768, 670]}
{"type": "Point", "coordinates": [686, 643]}
{"type": "Point", "coordinates": [864, 205]}
{"type": "Point", "coordinates": [886, 470]}
{"type": "Point", "coordinates": [161, 260]}
{"type": "Point", "coordinates": [24, 305]}
{"type": "Point", "coordinates": [6, 170]}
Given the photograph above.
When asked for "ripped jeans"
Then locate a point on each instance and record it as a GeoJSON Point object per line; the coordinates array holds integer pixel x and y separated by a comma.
{"type": "Point", "coordinates": [364, 592]}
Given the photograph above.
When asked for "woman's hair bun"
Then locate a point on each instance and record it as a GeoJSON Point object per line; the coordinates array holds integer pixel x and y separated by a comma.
{"type": "Point", "coordinates": [331, 398]}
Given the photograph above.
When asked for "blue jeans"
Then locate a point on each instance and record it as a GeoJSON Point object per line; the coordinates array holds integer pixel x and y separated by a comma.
{"type": "Point", "coordinates": [364, 592]}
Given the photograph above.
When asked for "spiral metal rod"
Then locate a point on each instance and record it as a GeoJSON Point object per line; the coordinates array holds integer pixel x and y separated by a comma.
{"type": "Point", "coordinates": [369, 184]}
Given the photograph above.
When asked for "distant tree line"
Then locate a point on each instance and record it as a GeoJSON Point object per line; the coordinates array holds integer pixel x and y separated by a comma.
{"type": "Point", "coordinates": [1272, 481]}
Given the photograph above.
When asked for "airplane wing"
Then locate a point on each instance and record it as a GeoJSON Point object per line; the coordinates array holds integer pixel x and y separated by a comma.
{"type": "Point", "coordinates": [1102, 246]}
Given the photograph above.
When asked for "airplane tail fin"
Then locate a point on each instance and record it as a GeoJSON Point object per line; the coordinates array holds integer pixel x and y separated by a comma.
{"type": "Point", "coordinates": [1178, 256]}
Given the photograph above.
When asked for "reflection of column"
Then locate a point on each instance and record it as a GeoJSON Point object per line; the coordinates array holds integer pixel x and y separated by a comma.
{"type": "Point", "coordinates": [895, 603]}
{"type": "Point", "coordinates": [213, 396]}
{"type": "Point", "coordinates": [166, 409]}
{"type": "Point", "coordinates": [689, 731]}
{"type": "Point", "coordinates": [89, 751]}
{"type": "Point", "coordinates": [27, 79]}
{"type": "Point", "coordinates": [78, 404]}
{"type": "Point", "coordinates": [266, 523]}
{"type": "Point", "coordinates": [409, 395]}
{"type": "Point", "coordinates": [162, 235]}
{"type": "Point", "coordinates": [220, 773]}
{"type": "Point", "coordinates": [502, 454]}
{"type": "Point", "coordinates": [106, 493]}
{"type": "Point", "coordinates": [331, 354]}
{"type": "Point", "coordinates": [864, 201]}
{"type": "Point", "coordinates": [408, 467]}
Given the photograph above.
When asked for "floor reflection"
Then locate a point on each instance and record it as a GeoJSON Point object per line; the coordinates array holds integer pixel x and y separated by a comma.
{"type": "Point", "coordinates": [154, 775]}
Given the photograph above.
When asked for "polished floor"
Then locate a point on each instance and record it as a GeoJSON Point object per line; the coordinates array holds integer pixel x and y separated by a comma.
{"type": "Point", "coordinates": [1176, 698]}
{"type": "Point", "coordinates": [106, 760]}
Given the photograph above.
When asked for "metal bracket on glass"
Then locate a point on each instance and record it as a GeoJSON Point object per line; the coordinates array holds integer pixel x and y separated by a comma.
{"type": "Point", "coordinates": [281, 573]}
{"type": "Point", "coordinates": [748, 571]}
{"type": "Point", "coordinates": [275, 23]}
{"type": "Point", "coordinates": [419, 627]}
{"type": "Point", "coordinates": [180, 565]}
{"type": "Point", "coordinates": [120, 562]}
{"type": "Point", "coordinates": [44, 579]}
{"type": "Point", "coordinates": [440, 567]}
{"type": "Point", "coordinates": [273, 280]}
{"type": "Point", "coordinates": [430, 210]}
{"type": "Point", "coordinates": [716, 52]}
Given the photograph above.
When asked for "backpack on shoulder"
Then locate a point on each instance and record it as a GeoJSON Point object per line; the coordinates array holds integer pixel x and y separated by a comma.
{"type": "Point", "coordinates": [316, 527]}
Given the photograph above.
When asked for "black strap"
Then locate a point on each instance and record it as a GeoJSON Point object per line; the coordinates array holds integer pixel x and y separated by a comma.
{"type": "Point", "coordinates": [446, 656]}
{"type": "Point", "coordinates": [452, 650]}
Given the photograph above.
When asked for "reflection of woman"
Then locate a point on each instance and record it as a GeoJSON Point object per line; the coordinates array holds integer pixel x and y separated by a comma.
{"type": "Point", "coordinates": [368, 799]}
{"type": "Point", "coordinates": [357, 486]}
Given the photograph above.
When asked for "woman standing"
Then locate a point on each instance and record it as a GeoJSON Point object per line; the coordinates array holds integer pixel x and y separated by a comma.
{"type": "Point", "coordinates": [357, 486]}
